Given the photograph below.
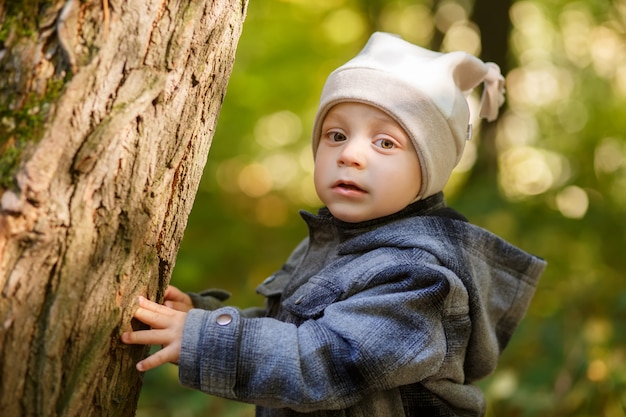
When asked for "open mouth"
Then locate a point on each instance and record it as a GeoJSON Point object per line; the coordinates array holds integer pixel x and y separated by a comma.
{"type": "Point", "coordinates": [348, 186]}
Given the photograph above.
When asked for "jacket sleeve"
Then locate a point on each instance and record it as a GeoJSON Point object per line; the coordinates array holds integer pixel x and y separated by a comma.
{"type": "Point", "coordinates": [387, 333]}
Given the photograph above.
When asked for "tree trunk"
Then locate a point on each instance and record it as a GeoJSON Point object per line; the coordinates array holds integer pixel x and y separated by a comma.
{"type": "Point", "coordinates": [492, 17]}
{"type": "Point", "coordinates": [107, 110]}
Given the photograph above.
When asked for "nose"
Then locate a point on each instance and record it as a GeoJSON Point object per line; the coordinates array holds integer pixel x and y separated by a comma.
{"type": "Point", "coordinates": [352, 154]}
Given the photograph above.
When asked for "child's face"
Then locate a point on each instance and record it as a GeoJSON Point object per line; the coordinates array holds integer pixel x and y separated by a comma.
{"type": "Point", "coordinates": [366, 166]}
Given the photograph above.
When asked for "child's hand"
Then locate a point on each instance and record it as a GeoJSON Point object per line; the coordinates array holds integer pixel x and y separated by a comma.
{"type": "Point", "coordinates": [167, 330]}
{"type": "Point", "coordinates": [176, 299]}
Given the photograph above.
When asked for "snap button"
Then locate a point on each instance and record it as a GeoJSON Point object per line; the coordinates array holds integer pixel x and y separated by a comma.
{"type": "Point", "coordinates": [224, 319]}
{"type": "Point", "coordinates": [269, 279]}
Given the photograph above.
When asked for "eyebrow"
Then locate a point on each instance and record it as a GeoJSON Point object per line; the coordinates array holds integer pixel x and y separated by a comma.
{"type": "Point", "coordinates": [338, 116]}
{"type": "Point", "coordinates": [333, 114]}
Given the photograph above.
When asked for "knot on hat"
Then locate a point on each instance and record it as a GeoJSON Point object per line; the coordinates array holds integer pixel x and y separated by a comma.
{"type": "Point", "coordinates": [424, 91]}
{"type": "Point", "coordinates": [493, 93]}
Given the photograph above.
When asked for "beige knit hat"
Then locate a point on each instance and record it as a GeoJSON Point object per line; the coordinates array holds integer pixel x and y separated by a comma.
{"type": "Point", "coordinates": [424, 91]}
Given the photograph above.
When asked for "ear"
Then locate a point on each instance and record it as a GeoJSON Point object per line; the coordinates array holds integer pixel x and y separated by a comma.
{"type": "Point", "coordinates": [467, 70]}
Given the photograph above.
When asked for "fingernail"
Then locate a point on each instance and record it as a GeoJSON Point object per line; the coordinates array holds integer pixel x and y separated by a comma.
{"type": "Point", "coordinates": [140, 367]}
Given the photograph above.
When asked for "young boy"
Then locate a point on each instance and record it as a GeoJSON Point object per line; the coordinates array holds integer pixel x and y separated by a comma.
{"type": "Point", "coordinates": [394, 305]}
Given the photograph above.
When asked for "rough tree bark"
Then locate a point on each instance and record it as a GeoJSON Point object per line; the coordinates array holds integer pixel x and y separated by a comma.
{"type": "Point", "coordinates": [107, 112]}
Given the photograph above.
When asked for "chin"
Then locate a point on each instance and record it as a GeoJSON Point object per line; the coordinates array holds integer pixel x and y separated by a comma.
{"type": "Point", "coordinates": [349, 217]}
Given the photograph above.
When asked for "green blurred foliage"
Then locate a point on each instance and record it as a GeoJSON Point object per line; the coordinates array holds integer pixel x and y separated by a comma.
{"type": "Point", "coordinates": [559, 191]}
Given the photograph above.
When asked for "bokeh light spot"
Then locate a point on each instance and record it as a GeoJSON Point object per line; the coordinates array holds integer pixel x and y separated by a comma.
{"type": "Point", "coordinates": [516, 129]}
{"type": "Point", "coordinates": [278, 129]}
{"type": "Point", "coordinates": [526, 171]}
{"type": "Point", "coordinates": [609, 156]}
{"type": "Point", "coordinates": [572, 202]}
{"type": "Point", "coordinates": [598, 330]}
{"type": "Point", "coordinates": [607, 50]}
{"type": "Point", "coordinates": [448, 14]}
{"type": "Point", "coordinates": [573, 116]}
{"type": "Point", "coordinates": [415, 23]}
{"type": "Point", "coordinates": [255, 180]}
{"type": "Point", "coordinates": [282, 167]}
{"type": "Point", "coordinates": [538, 85]}
{"type": "Point", "coordinates": [344, 26]}
{"type": "Point", "coordinates": [504, 384]}
{"type": "Point", "coordinates": [462, 37]}
{"type": "Point", "coordinates": [227, 173]}
{"type": "Point", "coordinates": [576, 27]}
{"type": "Point", "coordinates": [597, 370]}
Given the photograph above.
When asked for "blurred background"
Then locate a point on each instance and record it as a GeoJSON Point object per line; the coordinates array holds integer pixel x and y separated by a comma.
{"type": "Point", "coordinates": [549, 176]}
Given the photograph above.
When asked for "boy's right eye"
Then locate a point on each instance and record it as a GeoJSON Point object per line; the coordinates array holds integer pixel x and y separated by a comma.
{"type": "Point", "coordinates": [337, 136]}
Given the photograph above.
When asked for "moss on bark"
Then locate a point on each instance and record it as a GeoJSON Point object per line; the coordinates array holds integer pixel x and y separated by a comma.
{"type": "Point", "coordinates": [23, 111]}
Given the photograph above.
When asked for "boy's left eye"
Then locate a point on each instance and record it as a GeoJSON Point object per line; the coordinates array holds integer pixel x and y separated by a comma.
{"type": "Point", "coordinates": [385, 144]}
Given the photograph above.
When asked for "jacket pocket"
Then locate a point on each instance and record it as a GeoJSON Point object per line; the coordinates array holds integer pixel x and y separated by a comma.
{"type": "Point", "coordinates": [311, 299]}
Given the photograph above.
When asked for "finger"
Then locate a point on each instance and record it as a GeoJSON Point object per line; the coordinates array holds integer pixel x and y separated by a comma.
{"type": "Point", "coordinates": [174, 294]}
{"type": "Point", "coordinates": [176, 305]}
{"type": "Point", "coordinates": [151, 318]}
{"type": "Point", "coordinates": [152, 306]}
{"type": "Point", "coordinates": [168, 354]}
{"type": "Point", "coordinates": [153, 314]}
{"type": "Point", "coordinates": [178, 300]}
{"type": "Point", "coordinates": [147, 337]}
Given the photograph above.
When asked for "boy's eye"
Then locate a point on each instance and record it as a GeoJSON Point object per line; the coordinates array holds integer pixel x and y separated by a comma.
{"type": "Point", "coordinates": [385, 144]}
{"type": "Point", "coordinates": [337, 136]}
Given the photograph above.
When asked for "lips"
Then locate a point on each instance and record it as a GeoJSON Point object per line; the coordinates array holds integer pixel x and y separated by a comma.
{"type": "Point", "coordinates": [348, 186]}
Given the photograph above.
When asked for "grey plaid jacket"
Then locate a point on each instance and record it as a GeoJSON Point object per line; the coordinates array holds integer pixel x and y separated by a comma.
{"type": "Point", "coordinates": [393, 317]}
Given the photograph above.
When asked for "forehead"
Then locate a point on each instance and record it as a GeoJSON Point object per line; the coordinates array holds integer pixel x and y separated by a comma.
{"type": "Point", "coordinates": [351, 109]}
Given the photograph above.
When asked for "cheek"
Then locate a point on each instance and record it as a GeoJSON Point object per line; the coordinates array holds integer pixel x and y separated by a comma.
{"type": "Point", "coordinates": [405, 182]}
{"type": "Point", "coordinates": [316, 178]}
{"type": "Point", "coordinates": [318, 174]}
{"type": "Point", "coordinates": [412, 190]}
{"type": "Point", "coordinates": [320, 166]}
{"type": "Point", "coordinates": [412, 176]}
